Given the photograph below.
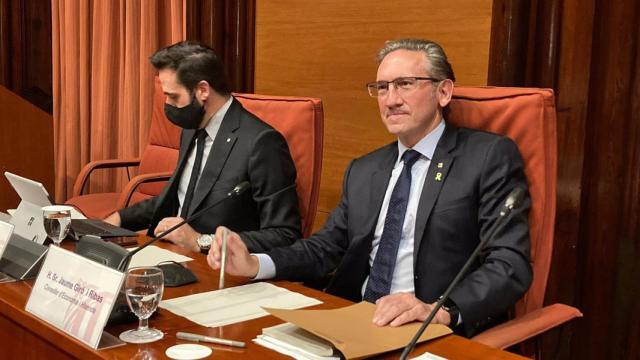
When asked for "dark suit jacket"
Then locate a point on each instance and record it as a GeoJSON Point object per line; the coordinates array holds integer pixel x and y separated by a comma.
{"type": "Point", "coordinates": [478, 172]}
{"type": "Point", "coordinates": [245, 149]}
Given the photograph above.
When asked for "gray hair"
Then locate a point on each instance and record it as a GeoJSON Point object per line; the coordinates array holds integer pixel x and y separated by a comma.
{"type": "Point", "coordinates": [440, 67]}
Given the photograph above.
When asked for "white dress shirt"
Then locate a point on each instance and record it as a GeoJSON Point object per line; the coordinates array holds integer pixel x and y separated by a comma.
{"type": "Point", "coordinates": [402, 280]}
{"type": "Point", "coordinates": [211, 128]}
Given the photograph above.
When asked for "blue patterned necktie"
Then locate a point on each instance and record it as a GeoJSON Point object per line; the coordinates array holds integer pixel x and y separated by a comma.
{"type": "Point", "coordinates": [381, 273]}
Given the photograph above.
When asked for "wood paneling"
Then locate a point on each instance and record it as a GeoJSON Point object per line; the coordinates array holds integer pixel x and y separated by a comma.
{"type": "Point", "coordinates": [25, 50]}
{"type": "Point", "coordinates": [227, 26]}
{"type": "Point", "coordinates": [26, 143]}
{"type": "Point", "coordinates": [326, 49]}
{"type": "Point", "coordinates": [589, 52]}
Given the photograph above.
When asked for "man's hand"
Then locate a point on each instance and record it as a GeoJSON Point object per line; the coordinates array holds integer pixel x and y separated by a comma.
{"type": "Point", "coordinates": [239, 261]}
{"type": "Point", "coordinates": [184, 236]}
{"type": "Point", "coordinates": [401, 308]}
{"type": "Point", "coordinates": [114, 219]}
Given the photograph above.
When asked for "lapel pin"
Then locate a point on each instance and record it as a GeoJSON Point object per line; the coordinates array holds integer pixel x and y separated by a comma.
{"type": "Point", "coordinates": [440, 165]}
{"type": "Point", "coordinates": [438, 176]}
{"type": "Point", "coordinates": [228, 139]}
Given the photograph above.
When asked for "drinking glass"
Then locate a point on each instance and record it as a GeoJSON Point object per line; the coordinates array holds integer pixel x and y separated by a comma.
{"type": "Point", "coordinates": [143, 288]}
{"type": "Point", "coordinates": [57, 221]}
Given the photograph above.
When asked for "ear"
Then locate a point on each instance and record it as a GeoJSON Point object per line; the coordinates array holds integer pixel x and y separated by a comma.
{"type": "Point", "coordinates": [445, 92]}
{"type": "Point", "coordinates": [203, 91]}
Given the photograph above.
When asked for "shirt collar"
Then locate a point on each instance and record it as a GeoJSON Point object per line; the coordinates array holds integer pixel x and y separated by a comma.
{"type": "Point", "coordinates": [216, 119]}
{"type": "Point", "coordinates": [427, 145]}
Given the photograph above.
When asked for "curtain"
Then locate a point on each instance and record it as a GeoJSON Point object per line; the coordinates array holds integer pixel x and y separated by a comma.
{"type": "Point", "coordinates": [103, 82]}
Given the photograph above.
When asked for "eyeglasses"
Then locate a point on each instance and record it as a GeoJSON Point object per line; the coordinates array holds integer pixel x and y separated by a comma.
{"type": "Point", "coordinates": [403, 85]}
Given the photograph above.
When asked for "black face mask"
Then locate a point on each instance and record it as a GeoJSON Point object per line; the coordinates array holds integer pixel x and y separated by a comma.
{"type": "Point", "coordinates": [187, 117]}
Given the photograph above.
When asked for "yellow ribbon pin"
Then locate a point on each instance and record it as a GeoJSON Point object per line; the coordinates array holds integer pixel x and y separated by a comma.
{"type": "Point", "coordinates": [439, 176]}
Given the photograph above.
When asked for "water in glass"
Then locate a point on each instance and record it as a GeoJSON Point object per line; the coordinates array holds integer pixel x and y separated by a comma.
{"type": "Point", "coordinates": [143, 287]}
{"type": "Point", "coordinates": [57, 221]}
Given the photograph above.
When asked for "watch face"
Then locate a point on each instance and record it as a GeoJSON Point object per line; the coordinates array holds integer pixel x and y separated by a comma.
{"type": "Point", "coordinates": [204, 241]}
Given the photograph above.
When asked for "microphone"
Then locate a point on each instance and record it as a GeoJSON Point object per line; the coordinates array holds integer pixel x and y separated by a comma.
{"type": "Point", "coordinates": [237, 191]}
{"type": "Point", "coordinates": [514, 200]}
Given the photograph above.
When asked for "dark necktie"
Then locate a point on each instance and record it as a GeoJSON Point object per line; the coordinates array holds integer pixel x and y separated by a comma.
{"type": "Point", "coordinates": [193, 179]}
{"type": "Point", "coordinates": [381, 273]}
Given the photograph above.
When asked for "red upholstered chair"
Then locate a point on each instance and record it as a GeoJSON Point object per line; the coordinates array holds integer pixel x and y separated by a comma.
{"type": "Point", "coordinates": [528, 117]}
{"type": "Point", "coordinates": [300, 121]}
{"type": "Point", "coordinates": [155, 166]}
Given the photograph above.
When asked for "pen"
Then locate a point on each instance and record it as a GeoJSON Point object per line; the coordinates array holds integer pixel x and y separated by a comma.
{"type": "Point", "coordinates": [223, 259]}
{"type": "Point", "coordinates": [198, 337]}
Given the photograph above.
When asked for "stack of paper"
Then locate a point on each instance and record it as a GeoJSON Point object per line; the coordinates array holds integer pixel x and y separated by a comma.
{"type": "Point", "coordinates": [296, 342]}
{"type": "Point", "coordinates": [236, 304]}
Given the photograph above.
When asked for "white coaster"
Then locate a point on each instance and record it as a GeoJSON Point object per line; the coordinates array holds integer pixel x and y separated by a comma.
{"type": "Point", "coordinates": [188, 352]}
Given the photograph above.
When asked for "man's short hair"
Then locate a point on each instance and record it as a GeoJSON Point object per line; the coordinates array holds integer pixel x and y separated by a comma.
{"type": "Point", "coordinates": [192, 62]}
{"type": "Point", "coordinates": [440, 67]}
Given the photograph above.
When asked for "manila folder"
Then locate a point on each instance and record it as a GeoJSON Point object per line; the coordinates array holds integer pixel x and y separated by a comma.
{"type": "Point", "coordinates": [351, 331]}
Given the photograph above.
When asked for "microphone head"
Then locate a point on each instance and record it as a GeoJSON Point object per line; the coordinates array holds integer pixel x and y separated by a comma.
{"type": "Point", "coordinates": [513, 201]}
{"type": "Point", "coordinates": [240, 188]}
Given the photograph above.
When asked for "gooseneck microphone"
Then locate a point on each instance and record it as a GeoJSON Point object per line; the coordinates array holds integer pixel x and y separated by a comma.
{"type": "Point", "coordinates": [514, 200]}
{"type": "Point", "coordinates": [237, 191]}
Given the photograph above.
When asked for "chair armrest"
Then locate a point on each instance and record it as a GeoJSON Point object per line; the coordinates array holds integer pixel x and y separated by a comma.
{"type": "Point", "coordinates": [127, 192]}
{"type": "Point", "coordinates": [525, 327]}
{"type": "Point", "coordinates": [84, 174]}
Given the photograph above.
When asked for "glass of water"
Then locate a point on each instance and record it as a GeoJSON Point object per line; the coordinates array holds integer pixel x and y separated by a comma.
{"type": "Point", "coordinates": [143, 288]}
{"type": "Point", "coordinates": [57, 221]}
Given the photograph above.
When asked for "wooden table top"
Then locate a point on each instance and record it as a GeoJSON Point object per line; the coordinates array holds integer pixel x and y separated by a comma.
{"type": "Point", "coordinates": [13, 298]}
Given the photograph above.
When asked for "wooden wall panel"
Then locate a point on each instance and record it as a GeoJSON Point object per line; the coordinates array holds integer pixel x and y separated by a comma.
{"type": "Point", "coordinates": [25, 50]}
{"type": "Point", "coordinates": [26, 143]}
{"type": "Point", "coordinates": [326, 49]}
{"type": "Point", "coordinates": [589, 52]}
{"type": "Point", "coordinates": [227, 26]}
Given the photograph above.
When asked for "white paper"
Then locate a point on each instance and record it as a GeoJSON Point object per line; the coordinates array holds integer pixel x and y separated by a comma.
{"type": "Point", "coordinates": [153, 255]}
{"type": "Point", "coordinates": [288, 349]}
{"type": "Point", "coordinates": [236, 304]}
{"type": "Point", "coordinates": [428, 356]}
{"type": "Point", "coordinates": [74, 294]}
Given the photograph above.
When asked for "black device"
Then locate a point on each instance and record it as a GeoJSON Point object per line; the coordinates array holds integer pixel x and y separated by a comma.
{"type": "Point", "coordinates": [99, 228]}
{"type": "Point", "coordinates": [513, 201]}
{"type": "Point", "coordinates": [22, 258]}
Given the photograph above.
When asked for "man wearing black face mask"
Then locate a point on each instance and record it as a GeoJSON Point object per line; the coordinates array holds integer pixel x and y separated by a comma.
{"type": "Point", "coordinates": [221, 145]}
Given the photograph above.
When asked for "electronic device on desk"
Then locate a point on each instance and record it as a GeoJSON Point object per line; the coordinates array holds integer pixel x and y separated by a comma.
{"type": "Point", "coordinates": [22, 258]}
{"type": "Point", "coordinates": [112, 255]}
{"type": "Point", "coordinates": [36, 196]}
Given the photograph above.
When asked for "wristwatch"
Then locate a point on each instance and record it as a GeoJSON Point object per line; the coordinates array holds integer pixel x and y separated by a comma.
{"type": "Point", "coordinates": [204, 242]}
{"type": "Point", "coordinates": [454, 314]}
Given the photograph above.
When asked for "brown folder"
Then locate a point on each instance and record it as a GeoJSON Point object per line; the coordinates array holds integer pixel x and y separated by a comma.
{"type": "Point", "coordinates": [351, 330]}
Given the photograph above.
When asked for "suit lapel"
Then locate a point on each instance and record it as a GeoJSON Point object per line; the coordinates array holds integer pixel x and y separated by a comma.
{"type": "Point", "coordinates": [379, 183]}
{"type": "Point", "coordinates": [436, 176]}
{"type": "Point", "coordinates": [222, 145]}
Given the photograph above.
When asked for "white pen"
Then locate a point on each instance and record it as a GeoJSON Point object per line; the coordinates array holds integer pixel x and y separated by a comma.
{"type": "Point", "coordinates": [198, 338]}
{"type": "Point", "coordinates": [223, 258]}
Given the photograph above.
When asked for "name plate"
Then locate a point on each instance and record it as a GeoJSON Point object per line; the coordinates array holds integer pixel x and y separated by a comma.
{"type": "Point", "coordinates": [75, 294]}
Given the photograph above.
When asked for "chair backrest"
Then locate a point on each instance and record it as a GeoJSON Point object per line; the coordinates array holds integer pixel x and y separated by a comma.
{"type": "Point", "coordinates": [161, 154]}
{"type": "Point", "coordinates": [301, 122]}
{"type": "Point", "coordinates": [528, 117]}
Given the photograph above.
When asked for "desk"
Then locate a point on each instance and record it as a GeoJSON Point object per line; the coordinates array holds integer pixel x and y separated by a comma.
{"type": "Point", "coordinates": [22, 336]}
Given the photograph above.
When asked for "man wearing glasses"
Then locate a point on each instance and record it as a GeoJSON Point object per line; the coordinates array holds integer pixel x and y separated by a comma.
{"type": "Point", "coordinates": [412, 212]}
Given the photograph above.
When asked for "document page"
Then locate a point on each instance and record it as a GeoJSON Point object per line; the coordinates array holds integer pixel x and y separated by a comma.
{"type": "Point", "coordinates": [153, 255]}
{"type": "Point", "coordinates": [236, 304]}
